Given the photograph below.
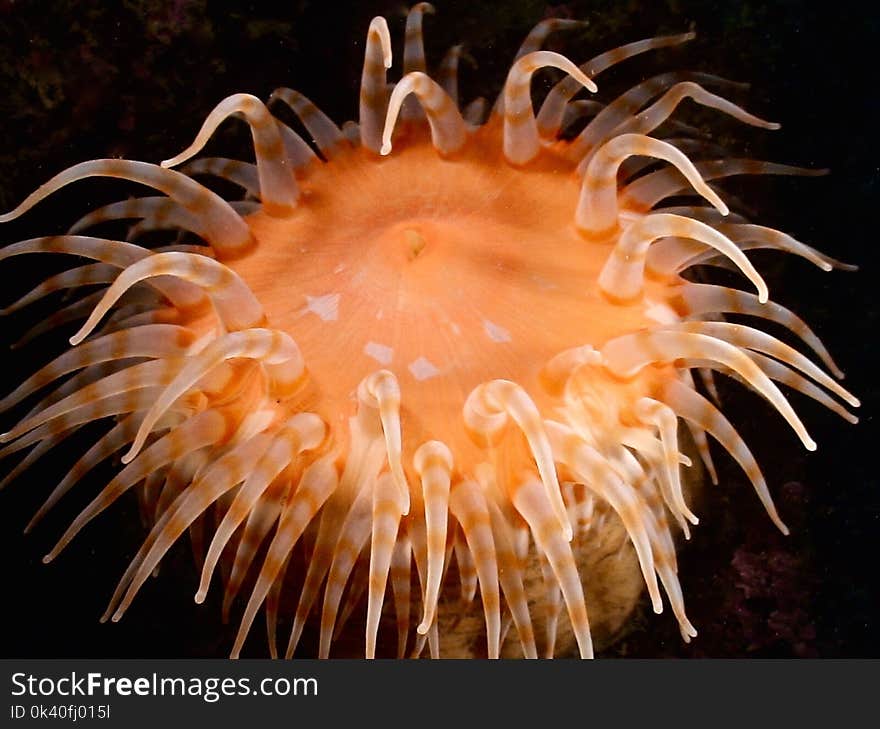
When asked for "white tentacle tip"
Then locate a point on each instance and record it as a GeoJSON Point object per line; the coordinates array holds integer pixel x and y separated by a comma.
{"type": "Point", "coordinates": [380, 26]}
{"type": "Point", "coordinates": [386, 149]}
{"type": "Point", "coordinates": [588, 84]}
{"type": "Point", "coordinates": [178, 159]}
{"type": "Point", "coordinates": [129, 456]}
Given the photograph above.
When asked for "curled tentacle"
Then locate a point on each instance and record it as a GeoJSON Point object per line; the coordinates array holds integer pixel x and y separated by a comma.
{"type": "Point", "coordinates": [598, 207]}
{"type": "Point", "coordinates": [448, 130]}
{"type": "Point", "coordinates": [521, 141]}
{"type": "Point", "coordinates": [278, 188]}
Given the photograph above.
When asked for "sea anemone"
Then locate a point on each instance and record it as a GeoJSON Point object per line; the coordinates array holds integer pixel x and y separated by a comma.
{"type": "Point", "coordinates": [438, 343]}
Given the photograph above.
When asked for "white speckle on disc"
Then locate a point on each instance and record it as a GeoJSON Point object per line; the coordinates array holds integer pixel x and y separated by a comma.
{"type": "Point", "coordinates": [326, 307]}
{"type": "Point", "coordinates": [496, 333]}
{"type": "Point", "coordinates": [422, 369]}
{"type": "Point", "coordinates": [379, 352]}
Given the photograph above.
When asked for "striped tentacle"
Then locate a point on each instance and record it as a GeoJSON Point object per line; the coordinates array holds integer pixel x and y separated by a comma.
{"type": "Point", "coordinates": [510, 575]}
{"type": "Point", "coordinates": [350, 541]}
{"type": "Point", "coordinates": [236, 306]}
{"type": "Point", "coordinates": [374, 93]}
{"type": "Point", "coordinates": [88, 275]}
{"type": "Point", "coordinates": [647, 120]}
{"type": "Point", "coordinates": [468, 506]}
{"type": "Point", "coordinates": [658, 415]}
{"type": "Point", "coordinates": [278, 188]}
{"type": "Point", "coordinates": [126, 402]}
{"type": "Point", "coordinates": [626, 355]}
{"type": "Point", "coordinates": [433, 462]}
{"type": "Point", "coordinates": [260, 520]}
{"type": "Point", "coordinates": [467, 571]}
{"type": "Point", "coordinates": [597, 215]}
{"type": "Point", "coordinates": [243, 174]}
{"type": "Point", "coordinates": [689, 146]}
{"type": "Point", "coordinates": [475, 112]}
{"type": "Point", "coordinates": [154, 341]}
{"type": "Point", "coordinates": [136, 207]}
{"type": "Point", "coordinates": [487, 411]}
{"type": "Point", "coordinates": [148, 374]}
{"type": "Point", "coordinates": [693, 407]}
{"type": "Point", "coordinates": [366, 456]}
{"type": "Point", "coordinates": [673, 255]}
{"type": "Point", "coordinates": [112, 252]}
{"type": "Point", "coordinates": [623, 276]}
{"type": "Point", "coordinates": [401, 572]}
{"type": "Point", "coordinates": [535, 39]}
{"type": "Point", "coordinates": [224, 229]}
{"type": "Point", "coordinates": [699, 299]}
{"type": "Point", "coordinates": [591, 468]}
{"type": "Point", "coordinates": [387, 512]}
{"type": "Point", "coordinates": [323, 130]}
{"type": "Point", "coordinates": [204, 429]}
{"type": "Point", "coordinates": [628, 105]}
{"type": "Point", "coordinates": [316, 485]}
{"type": "Point", "coordinates": [414, 53]}
{"type": "Point", "coordinates": [447, 74]}
{"type": "Point", "coordinates": [521, 140]}
{"type": "Point", "coordinates": [748, 338]}
{"type": "Point", "coordinates": [266, 346]}
{"type": "Point", "coordinates": [448, 130]}
{"type": "Point", "coordinates": [108, 444]}
{"type": "Point", "coordinates": [299, 153]}
{"type": "Point", "coordinates": [648, 191]}
{"type": "Point", "coordinates": [180, 220]}
{"type": "Point", "coordinates": [531, 501]}
{"type": "Point", "coordinates": [225, 473]}
{"type": "Point", "coordinates": [789, 376]}
{"type": "Point", "coordinates": [553, 109]}
{"type": "Point", "coordinates": [302, 432]}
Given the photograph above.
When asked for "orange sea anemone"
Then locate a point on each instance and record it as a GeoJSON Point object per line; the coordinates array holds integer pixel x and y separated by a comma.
{"type": "Point", "coordinates": [440, 348]}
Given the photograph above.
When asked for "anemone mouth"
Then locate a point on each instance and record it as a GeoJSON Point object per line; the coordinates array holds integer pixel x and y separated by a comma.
{"type": "Point", "coordinates": [437, 339]}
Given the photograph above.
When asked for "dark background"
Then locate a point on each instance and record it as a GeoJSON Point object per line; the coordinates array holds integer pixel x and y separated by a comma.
{"type": "Point", "coordinates": [88, 79]}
